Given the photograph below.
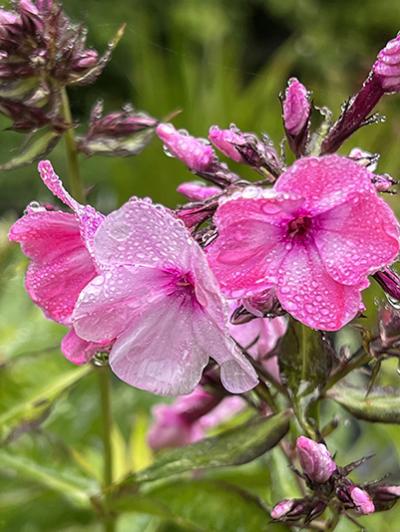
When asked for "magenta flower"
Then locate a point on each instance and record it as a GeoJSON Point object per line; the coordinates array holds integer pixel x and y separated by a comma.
{"type": "Point", "coordinates": [158, 297]}
{"type": "Point", "coordinates": [315, 459]}
{"type": "Point", "coordinates": [315, 238]}
{"type": "Point", "coordinates": [189, 417]}
{"type": "Point", "coordinates": [59, 245]}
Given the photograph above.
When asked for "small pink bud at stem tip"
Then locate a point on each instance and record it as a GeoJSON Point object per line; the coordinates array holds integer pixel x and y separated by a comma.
{"type": "Point", "coordinates": [362, 500]}
{"type": "Point", "coordinates": [296, 107]}
{"type": "Point", "coordinates": [387, 66]}
{"type": "Point", "coordinates": [315, 460]}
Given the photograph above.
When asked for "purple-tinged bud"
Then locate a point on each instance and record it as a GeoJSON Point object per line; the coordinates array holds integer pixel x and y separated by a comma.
{"type": "Point", "coordinates": [365, 158]}
{"type": "Point", "coordinates": [362, 501]}
{"type": "Point", "coordinates": [263, 305]}
{"type": "Point", "coordinates": [196, 191]}
{"type": "Point", "coordinates": [387, 66]}
{"type": "Point", "coordinates": [315, 460]}
{"type": "Point", "coordinates": [7, 17]}
{"type": "Point", "coordinates": [194, 214]}
{"type": "Point", "coordinates": [384, 497]}
{"type": "Point", "coordinates": [296, 107]}
{"type": "Point", "coordinates": [281, 509]}
{"type": "Point", "coordinates": [389, 281]}
{"type": "Point", "coordinates": [383, 182]}
{"type": "Point", "coordinates": [30, 17]}
{"type": "Point", "coordinates": [294, 510]}
{"type": "Point", "coordinates": [195, 153]}
{"type": "Point", "coordinates": [87, 59]}
{"type": "Point", "coordinates": [226, 141]}
{"type": "Point", "coordinates": [247, 148]}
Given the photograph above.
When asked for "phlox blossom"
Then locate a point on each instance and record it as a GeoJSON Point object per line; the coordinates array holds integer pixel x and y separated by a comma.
{"type": "Point", "coordinates": [156, 295]}
{"type": "Point", "coordinates": [315, 238]}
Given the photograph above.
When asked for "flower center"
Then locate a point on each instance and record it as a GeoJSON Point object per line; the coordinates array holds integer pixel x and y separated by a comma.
{"type": "Point", "coordinates": [299, 226]}
{"type": "Point", "coordinates": [180, 284]}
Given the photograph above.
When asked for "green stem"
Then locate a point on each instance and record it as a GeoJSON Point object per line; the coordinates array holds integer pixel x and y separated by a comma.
{"type": "Point", "coordinates": [357, 360]}
{"type": "Point", "coordinates": [76, 184]}
{"type": "Point", "coordinates": [105, 400]}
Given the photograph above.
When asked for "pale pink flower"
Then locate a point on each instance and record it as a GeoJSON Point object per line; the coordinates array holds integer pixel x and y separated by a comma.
{"type": "Point", "coordinates": [158, 297]}
{"type": "Point", "coordinates": [315, 238]}
{"type": "Point", "coordinates": [315, 459]}
{"type": "Point", "coordinates": [59, 245]}
{"type": "Point", "coordinates": [189, 417]}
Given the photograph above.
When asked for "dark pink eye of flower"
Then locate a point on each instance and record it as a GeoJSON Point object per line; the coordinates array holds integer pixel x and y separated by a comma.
{"type": "Point", "coordinates": [180, 284]}
{"type": "Point", "coordinates": [300, 226]}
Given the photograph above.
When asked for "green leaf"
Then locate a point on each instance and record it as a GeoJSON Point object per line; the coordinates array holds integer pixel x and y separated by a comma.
{"type": "Point", "coordinates": [76, 489]}
{"type": "Point", "coordinates": [381, 405]}
{"type": "Point", "coordinates": [236, 446]}
{"type": "Point", "coordinates": [29, 387]}
{"type": "Point", "coordinates": [37, 145]}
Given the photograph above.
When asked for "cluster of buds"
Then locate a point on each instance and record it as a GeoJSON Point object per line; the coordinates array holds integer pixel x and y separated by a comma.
{"type": "Point", "coordinates": [330, 485]}
{"type": "Point", "coordinates": [121, 133]}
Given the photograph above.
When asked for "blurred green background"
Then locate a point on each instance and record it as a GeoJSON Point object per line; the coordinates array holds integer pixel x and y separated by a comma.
{"type": "Point", "coordinates": [220, 61]}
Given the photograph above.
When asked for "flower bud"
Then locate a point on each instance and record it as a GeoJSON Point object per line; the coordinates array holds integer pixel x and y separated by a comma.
{"type": "Point", "coordinates": [315, 460]}
{"type": "Point", "coordinates": [383, 182]}
{"type": "Point", "coordinates": [87, 59]}
{"type": "Point", "coordinates": [389, 281]}
{"type": "Point", "coordinates": [296, 107]}
{"type": "Point", "coordinates": [384, 497]}
{"type": "Point", "coordinates": [196, 191]}
{"type": "Point", "coordinates": [247, 148]}
{"type": "Point", "coordinates": [282, 509]}
{"type": "Point", "coordinates": [361, 500]}
{"type": "Point", "coordinates": [195, 214]}
{"type": "Point", "coordinates": [294, 510]}
{"type": "Point", "coordinates": [387, 66]}
{"type": "Point", "coordinates": [226, 141]}
{"type": "Point", "coordinates": [264, 304]}
{"type": "Point", "coordinates": [365, 158]}
{"type": "Point", "coordinates": [195, 153]}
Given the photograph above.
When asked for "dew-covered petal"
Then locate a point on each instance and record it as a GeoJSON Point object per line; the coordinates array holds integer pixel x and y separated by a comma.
{"type": "Point", "coordinates": [106, 306]}
{"type": "Point", "coordinates": [61, 265]}
{"type": "Point", "coordinates": [158, 352]}
{"type": "Point", "coordinates": [89, 218]}
{"type": "Point", "coordinates": [251, 243]}
{"type": "Point", "coordinates": [237, 374]}
{"type": "Point", "coordinates": [309, 293]}
{"type": "Point", "coordinates": [357, 238]}
{"type": "Point", "coordinates": [324, 181]}
{"type": "Point", "coordinates": [142, 233]}
{"type": "Point", "coordinates": [77, 350]}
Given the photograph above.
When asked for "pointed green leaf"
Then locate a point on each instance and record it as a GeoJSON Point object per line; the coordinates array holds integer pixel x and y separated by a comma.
{"type": "Point", "coordinates": [236, 446]}
{"type": "Point", "coordinates": [25, 396]}
{"type": "Point", "coordinates": [38, 145]}
{"type": "Point", "coordinates": [76, 489]}
{"type": "Point", "coordinates": [382, 405]}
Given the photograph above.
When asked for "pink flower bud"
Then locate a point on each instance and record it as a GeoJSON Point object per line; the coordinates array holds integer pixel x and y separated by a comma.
{"type": "Point", "coordinates": [87, 59]}
{"type": "Point", "coordinates": [7, 17]}
{"type": "Point", "coordinates": [281, 509]}
{"type": "Point", "coordinates": [194, 153]}
{"type": "Point", "coordinates": [197, 191]}
{"type": "Point", "coordinates": [389, 281]}
{"type": "Point", "coordinates": [296, 107]}
{"type": "Point", "coordinates": [383, 182]}
{"type": "Point", "coordinates": [365, 158]}
{"type": "Point", "coordinates": [225, 140]}
{"type": "Point", "coordinates": [315, 460]}
{"type": "Point", "coordinates": [362, 501]}
{"type": "Point", "coordinates": [384, 497]}
{"type": "Point", "coordinates": [387, 66]}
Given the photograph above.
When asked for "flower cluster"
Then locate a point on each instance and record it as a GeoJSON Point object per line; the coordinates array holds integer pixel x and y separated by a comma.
{"type": "Point", "coordinates": [330, 485]}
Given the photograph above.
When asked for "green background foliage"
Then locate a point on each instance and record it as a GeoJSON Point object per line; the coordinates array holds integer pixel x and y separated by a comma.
{"type": "Point", "coordinates": [219, 61]}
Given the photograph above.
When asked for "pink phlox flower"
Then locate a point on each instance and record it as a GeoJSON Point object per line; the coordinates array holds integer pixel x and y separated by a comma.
{"type": "Point", "coordinates": [59, 246]}
{"type": "Point", "coordinates": [158, 297]}
{"type": "Point", "coordinates": [189, 417]}
{"type": "Point", "coordinates": [315, 238]}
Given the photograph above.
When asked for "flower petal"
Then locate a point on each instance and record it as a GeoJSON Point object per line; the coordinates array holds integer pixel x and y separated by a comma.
{"type": "Point", "coordinates": [251, 243]}
{"type": "Point", "coordinates": [324, 181]}
{"type": "Point", "coordinates": [106, 306]}
{"type": "Point", "coordinates": [142, 233]}
{"type": "Point", "coordinates": [158, 352]}
{"type": "Point", "coordinates": [77, 350]}
{"type": "Point", "coordinates": [61, 265]}
{"type": "Point", "coordinates": [357, 238]}
{"type": "Point", "coordinates": [310, 294]}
